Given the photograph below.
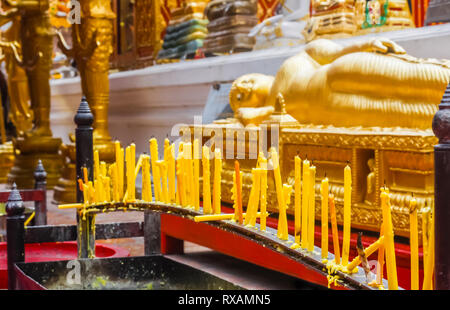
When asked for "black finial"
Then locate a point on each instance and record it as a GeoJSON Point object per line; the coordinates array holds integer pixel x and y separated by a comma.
{"type": "Point", "coordinates": [39, 173]}
{"type": "Point", "coordinates": [84, 116]}
{"type": "Point", "coordinates": [441, 120]}
{"type": "Point", "coordinates": [14, 205]}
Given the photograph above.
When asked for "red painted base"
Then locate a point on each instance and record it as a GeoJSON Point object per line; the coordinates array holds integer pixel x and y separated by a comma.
{"type": "Point", "coordinates": [175, 229]}
{"type": "Point", "coordinates": [44, 252]}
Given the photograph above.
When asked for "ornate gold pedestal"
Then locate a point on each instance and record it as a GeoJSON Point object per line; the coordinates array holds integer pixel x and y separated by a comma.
{"type": "Point", "coordinates": [401, 159]}
{"type": "Point", "coordinates": [28, 152]}
{"type": "Point", "coordinates": [6, 160]}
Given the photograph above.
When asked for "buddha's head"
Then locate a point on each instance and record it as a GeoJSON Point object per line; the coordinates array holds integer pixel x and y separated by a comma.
{"type": "Point", "coordinates": [250, 91]}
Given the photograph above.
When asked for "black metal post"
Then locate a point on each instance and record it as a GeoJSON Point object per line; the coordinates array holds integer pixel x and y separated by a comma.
{"type": "Point", "coordinates": [15, 234]}
{"type": "Point", "coordinates": [84, 158]}
{"type": "Point", "coordinates": [441, 128]}
{"type": "Point", "coordinates": [40, 207]}
{"type": "Point", "coordinates": [152, 232]}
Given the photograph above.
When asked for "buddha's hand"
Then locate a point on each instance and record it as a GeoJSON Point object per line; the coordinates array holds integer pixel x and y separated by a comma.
{"type": "Point", "coordinates": [384, 46]}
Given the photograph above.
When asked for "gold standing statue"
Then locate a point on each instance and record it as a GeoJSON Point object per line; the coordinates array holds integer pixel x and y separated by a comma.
{"type": "Point", "coordinates": [20, 112]}
{"type": "Point", "coordinates": [35, 56]}
{"type": "Point", "coordinates": [92, 47]}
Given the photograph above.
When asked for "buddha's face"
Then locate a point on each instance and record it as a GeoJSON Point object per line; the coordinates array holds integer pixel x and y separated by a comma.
{"type": "Point", "coordinates": [250, 91]}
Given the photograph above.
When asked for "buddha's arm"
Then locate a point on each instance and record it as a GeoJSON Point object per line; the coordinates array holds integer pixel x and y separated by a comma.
{"type": "Point", "coordinates": [326, 51]}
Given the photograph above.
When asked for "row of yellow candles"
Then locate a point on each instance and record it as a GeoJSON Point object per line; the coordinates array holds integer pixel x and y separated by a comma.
{"type": "Point", "coordinates": [187, 194]}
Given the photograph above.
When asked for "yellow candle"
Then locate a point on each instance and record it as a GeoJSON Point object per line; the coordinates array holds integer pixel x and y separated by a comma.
{"type": "Point", "coordinates": [196, 183]}
{"type": "Point", "coordinates": [132, 190]}
{"type": "Point", "coordinates": [425, 221]}
{"type": "Point", "coordinates": [429, 263]}
{"type": "Point", "coordinates": [113, 175]}
{"type": "Point", "coordinates": [103, 168]}
{"type": "Point", "coordinates": [128, 171]}
{"type": "Point", "coordinates": [96, 165]}
{"type": "Point", "coordinates": [380, 260]}
{"type": "Point", "coordinates": [287, 190]}
{"type": "Point", "coordinates": [119, 165]}
{"type": "Point", "coordinates": [414, 244]}
{"type": "Point", "coordinates": [163, 172]}
{"type": "Point", "coordinates": [171, 172]}
{"type": "Point", "coordinates": [311, 207]}
{"type": "Point", "coordinates": [263, 189]}
{"type": "Point", "coordinates": [206, 181]}
{"type": "Point", "coordinates": [188, 173]}
{"type": "Point", "coordinates": [282, 219]}
{"type": "Point", "coordinates": [324, 217]}
{"type": "Point", "coordinates": [146, 181]}
{"type": "Point", "coordinates": [166, 148]}
{"type": "Point", "coordinates": [217, 181]}
{"type": "Point", "coordinates": [253, 203]}
{"type": "Point", "coordinates": [305, 201]}
{"type": "Point", "coordinates": [216, 217]}
{"type": "Point", "coordinates": [155, 170]}
{"type": "Point", "coordinates": [297, 199]}
{"type": "Point", "coordinates": [107, 188]}
{"type": "Point", "coordinates": [391, 266]}
{"type": "Point", "coordinates": [347, 214]}
{"type": "Point", "coordinates": [180, 179]}
{"type": "Point", "coordinates": [334, 229]}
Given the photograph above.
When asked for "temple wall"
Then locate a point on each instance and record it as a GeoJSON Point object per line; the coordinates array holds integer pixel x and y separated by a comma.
{"type": "Point", "coordinates": [150, 101]}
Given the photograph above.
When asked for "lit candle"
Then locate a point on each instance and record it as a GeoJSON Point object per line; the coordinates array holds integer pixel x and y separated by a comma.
{"type": "Point", "coordinates": [414, 244]}
{"type": "Point", "coordinates": [311, 207]}
{"type": "Point", "coordinates": [334, 230]}
{"type": "Point", "coordinates": [171, 172]}
{"type": "Point", "coordinates": [347, 214]}
{"type": "Point", "coordinates": [217, 181]}
{"type": "Point", "coordinates": [297, 200]}
{"type": "Point", "coordinates": [155, 170]}
{"type": "Point", "coordinates": [305, 201]}
{"type": "Point", "coordinates": [196, 183]}
{"type": "Point", "coordinates": [389, 242]}
{"type": "Point", "coordinates": [206, 181]}
{"type": "Point", "coordinates": [324, 217]}
{"type": "Point", "coordinates": [263, 189]}
{"type": "Point", "coordinates": [282, 219]}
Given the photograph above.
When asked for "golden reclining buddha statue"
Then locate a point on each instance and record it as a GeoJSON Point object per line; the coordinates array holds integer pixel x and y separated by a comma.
{"type": "Point", "coordinates": [371, 84]}
{"type": "Point", "coordinates": [368, 104]}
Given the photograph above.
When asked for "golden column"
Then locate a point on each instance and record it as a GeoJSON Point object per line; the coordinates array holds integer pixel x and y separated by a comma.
{"type": "Point", "coordinates": [36, 46]}
{"type": "Point", "coordinates": [92, 47]}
